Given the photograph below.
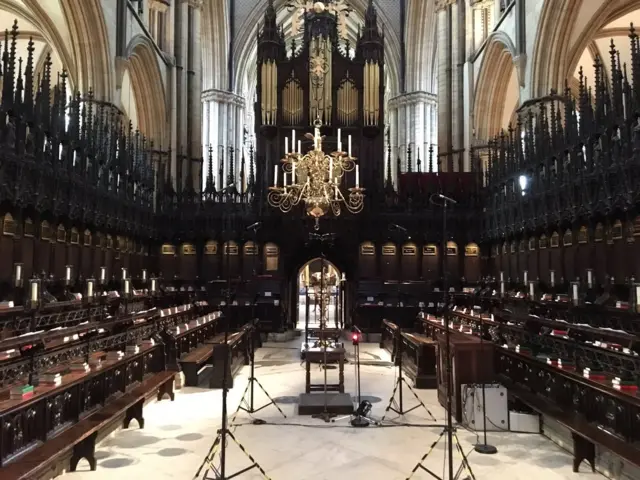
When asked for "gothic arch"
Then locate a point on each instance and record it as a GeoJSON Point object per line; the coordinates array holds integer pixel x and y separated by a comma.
{"type": "Point", "coordinates": [90, 43]}
{"type": "Point", "coordinates": [497, 90]}
{"type": "Point", "coordinates": [215, 44]}
{"type": "Point", "coordinates": [147, 87]}
{"type": "Point", "coordinates": [32, 12]}
{"type": "Point", "coordinates": [421, 50]}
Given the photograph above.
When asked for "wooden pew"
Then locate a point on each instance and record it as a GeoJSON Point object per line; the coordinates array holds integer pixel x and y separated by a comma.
{"type": "Point", "coordinates": [592, 410]}
{"type": "Point", "coordinates": [39, 431]}
{"type": "Point", "coordinates": [414, 351]}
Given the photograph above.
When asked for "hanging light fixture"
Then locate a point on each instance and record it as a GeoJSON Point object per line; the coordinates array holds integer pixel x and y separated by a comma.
{"type": "Point", "coordinates": [315, 177]}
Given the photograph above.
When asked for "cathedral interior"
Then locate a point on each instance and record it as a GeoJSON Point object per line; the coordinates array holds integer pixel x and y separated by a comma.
{"type": "Point", "coordinates": [313, 209]}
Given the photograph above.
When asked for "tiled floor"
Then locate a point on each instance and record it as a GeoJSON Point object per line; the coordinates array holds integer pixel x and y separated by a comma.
{"type": "Point", "coordinates": [179, 434]}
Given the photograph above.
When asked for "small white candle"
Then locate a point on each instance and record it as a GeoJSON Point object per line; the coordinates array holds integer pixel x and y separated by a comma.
{"type": "Point", "coordinates": [275, 175]}
{"type": "Point", "coordinates": [286, 145]}
{"type": "Point", "coordinates": [590, 278]}
{"type": "Point", "coordinates": [339, 139]}
{"type": "Point", "coordinates": [18, 272]}
{"type": "Point", "coordinates": [67, 273]}
{"type": "Point", "coordinates": [575, 291]}
{"type": "Point", "coordinates": [526, 277]}
{"type": "Point", "coordinates": [124, 273]}
{"type": "Point", "coordinates": [103, 273]}
{"type": "Point", "coordinates": [638, 295]}
{"type": "Point", "coordinates": [126, 286]}
{"type": "Point", "coordinates": [284, 179]}
{"type": "Point", "coordinates": [90, 289]}
{"type": "Point", "coordinates": [153, 285]}
{"type": "Point", "coordinates": [349, 145]}
{"type": "Point", "coordinates": [299, 146]}
{"type": "Point", "coordinates": [502, 276]}
{"type": "Point", "coordinates": [552, 274]}
{"type": "Point", "coordinates": [357, 175]}
{"type": "Point", "coordinates": [293, 138]}
{"type": "Point", "coordinates": [34, 291]}
{"type": "Point", "coordinates": [330, 169]}
{"type": "Point", "coordinates": [144, 274]}
{"type": "Point", "coordinates": [532, 292]}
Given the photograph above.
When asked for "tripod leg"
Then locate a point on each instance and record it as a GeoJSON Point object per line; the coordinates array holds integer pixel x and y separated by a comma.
{"type": "Point", "coordinates": [208, 460]}
{"type": "Point", "coordinates": [269, 397]}
{"type": "Point", "coordinates": [465, 460]}
{"type": "Point", "coordinates": [424, 457]}
{"type": "Point", "coordinates": [419, 401]}
{"type": "Point", "coordinates": [242, 400]}
{"type": "Point", "coordinates": [255, 464]}
{"type": "Point", "coordinates": [391, 400]}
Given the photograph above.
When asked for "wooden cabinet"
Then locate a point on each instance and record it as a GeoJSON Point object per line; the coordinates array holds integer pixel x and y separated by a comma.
{"type": "Point", "coordinates": [471, 362]}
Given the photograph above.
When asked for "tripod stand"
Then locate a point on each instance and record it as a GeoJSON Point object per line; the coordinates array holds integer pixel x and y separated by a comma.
{"type": "Point", "coordinates": [448, 429]}
{"type": "Point", "coordinates": [224, 432]}
{"type": "Point", "coordinates": [247, 405]}
{"type": "Point", "coordinates": [398, 406]}
{"type": "Point", "coordinates": [465, 462]}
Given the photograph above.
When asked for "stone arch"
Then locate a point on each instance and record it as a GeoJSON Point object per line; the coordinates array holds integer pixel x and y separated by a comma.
{"type": "Point", "coordinates": [497, 90]}
{"type": "Point", "coordinates": [422, 29]}
{"type": "Point", "coordinates": [90, 44]}
{"type": "Point", "coordinates": [215, 45]}
{"type": "Point", "coordinates": [146, 86]}
{"type": "Point", "coordinates": [30, 15]}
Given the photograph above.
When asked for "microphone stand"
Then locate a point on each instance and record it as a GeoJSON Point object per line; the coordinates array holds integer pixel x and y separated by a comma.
{"type": "Point", "coordinates": [484, 447]}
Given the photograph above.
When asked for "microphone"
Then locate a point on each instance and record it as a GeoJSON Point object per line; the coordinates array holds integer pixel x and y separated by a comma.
{"type": "Point", "coordinates": [255, 225]}
{"type": "Point", "coordinates": [398, 227]}
{"type": "Point", "coordinates": [447, 199]}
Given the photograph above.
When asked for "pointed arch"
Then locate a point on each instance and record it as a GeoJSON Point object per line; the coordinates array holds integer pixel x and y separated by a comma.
{"type": "Point", "coordinates": [90, 44]}
{"type": "Point", "coordinates": [496, 92]}
{"type": "Point", "coordinates": [147, 86]}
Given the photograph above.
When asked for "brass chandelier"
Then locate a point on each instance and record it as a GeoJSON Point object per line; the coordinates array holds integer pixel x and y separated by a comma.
{"type": "Point", "coordinates": [315, 177]}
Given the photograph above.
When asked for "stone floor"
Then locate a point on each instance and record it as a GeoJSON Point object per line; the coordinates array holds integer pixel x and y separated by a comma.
{"type": "Point", "coordinates": [178, 435]}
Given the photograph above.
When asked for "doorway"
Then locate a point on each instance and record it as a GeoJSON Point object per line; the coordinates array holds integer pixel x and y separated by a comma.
{"type": "Point", "coordinates": [319, 296]}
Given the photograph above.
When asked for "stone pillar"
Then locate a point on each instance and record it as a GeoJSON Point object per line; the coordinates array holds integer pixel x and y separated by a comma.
{"type": "Point", "coordinates": [195, 97]}
{"type": "Point", "coordinates": [224, 125]}
{"type": "Point", "coordinates": [412, 122]}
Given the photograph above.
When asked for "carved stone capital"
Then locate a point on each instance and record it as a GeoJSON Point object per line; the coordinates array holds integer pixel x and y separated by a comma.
{"type": "Point", "coordinates": [413, 98]}
{"type": "Point", "coordinates": [221, 96]}
{"type": "Point", "coordinates": [443, 4]}
{"type": "Point", "coordinates": [520, 62]}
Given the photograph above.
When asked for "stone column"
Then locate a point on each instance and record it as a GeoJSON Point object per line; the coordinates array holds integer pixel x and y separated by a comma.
{"type": "Point", "coordinates": [195, 97]}
{"type": "Point", "coordinates": [225, 120]}
{"type": "Point", "coordinates": [412, 122]}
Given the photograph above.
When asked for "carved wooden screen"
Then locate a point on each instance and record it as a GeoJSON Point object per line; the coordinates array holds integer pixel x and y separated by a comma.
{"type": "Point", "coordinates": [367, 260]}
{"type": "Point", "coordinates": [523, 259]}
{"type": "Point", "coordinates": [555, 256]}
{"type": "Point", "coordinates": [99, 243]}
{"type": "Point", "coordinates": [621, 267]}
{"type": "Point", "coordinates": [513, 260]}
{"type": "Point", "coordinates": [59, 252]}
{"type": "Point", "coordinates": [543, 259]}
{"type": "Point", "coordinates": [231, 259]}
{"type": "Point", "coordinates": [43, 248]}
{"type": "Point", "coordinates": [430, 262]}
{"type": "Point", "coordinates": [271, 258]}
{"type": "Point", "coordinates": [584, 252]}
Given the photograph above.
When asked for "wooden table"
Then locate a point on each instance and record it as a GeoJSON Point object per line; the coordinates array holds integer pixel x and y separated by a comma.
{"type": "Point", "coordinates": [317, 355]}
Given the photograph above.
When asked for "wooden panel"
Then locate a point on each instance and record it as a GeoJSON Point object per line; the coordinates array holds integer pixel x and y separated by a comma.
{"type": "Point", "coordinates": [523, 259]}
{"type": "Point", "coordinates": [453, 261]}
{"type": "Point", "coordinates": [430, 262]}
{"type": "Point", "coordinates": [389, 261]}
{"type": "Point", "coordinates": [409, 262]}
{"type": "Point", "coordinates": [250, 257]}
{"type": "Point", "coordinates": [532, 258]}
{"type": "Point", "coordinates": [600, 253]}
{"type": "Point", "coordinates": [367, 260]}
{"type": "Point", "coordinates": [543, 259]}
{"type": "Point", "coordinates": [271, 258]}
{"type": "Point", "coordinates": [188, 262]}
{"type": "Point", "coordinates": [472, 270]}
{"type": "Point", "coordinates": [584, 252]}
{"type": "Point", "coordinates": [569, 255]}
{"type": "Point", "coordinates": [168, 260]}
{"type": "Point", "coordinates": [210, 260]}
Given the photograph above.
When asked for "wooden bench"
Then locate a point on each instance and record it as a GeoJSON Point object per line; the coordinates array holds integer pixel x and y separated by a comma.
{"type": "Point", "coordinates": [80, 439]}
{"type": "Point", "coordinates": [193, 362]}
{"type": "Point", "coordinates": [419, 359]}
{"type": "Point", "coordinates": [584, 434]}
